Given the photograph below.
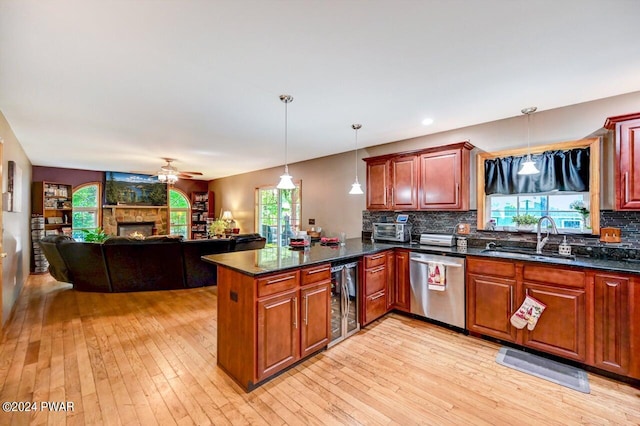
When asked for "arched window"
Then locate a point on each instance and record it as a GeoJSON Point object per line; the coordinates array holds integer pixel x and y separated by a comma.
{"type": "Point", "coordinates": [179, 213]}
{"type": "Point", "coordinates": [86, 209]}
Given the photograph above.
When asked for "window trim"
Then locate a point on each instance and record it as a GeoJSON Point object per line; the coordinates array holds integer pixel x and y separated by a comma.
{"type": "Point", "coordinates": [98, 208]}
{"type": "Point", "coordinates": [594, 175]}
{"type": "Point", "coordinates": [256, 203]}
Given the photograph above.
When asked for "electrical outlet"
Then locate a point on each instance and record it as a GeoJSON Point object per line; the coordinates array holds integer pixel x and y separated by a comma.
{"type": "Point", "coordinates": [312, 221]}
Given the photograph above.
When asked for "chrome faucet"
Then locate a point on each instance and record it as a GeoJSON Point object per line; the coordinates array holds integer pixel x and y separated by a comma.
{"type": "Point", "coordinates": [543, 241]}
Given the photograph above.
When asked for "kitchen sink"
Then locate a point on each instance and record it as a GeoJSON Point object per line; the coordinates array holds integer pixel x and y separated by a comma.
{"type": "Point", "coordinates": [526, 254]}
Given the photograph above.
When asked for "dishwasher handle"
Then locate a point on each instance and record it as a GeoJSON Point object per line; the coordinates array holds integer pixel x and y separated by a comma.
{"type": "Point", "coordinates": [426, 262]}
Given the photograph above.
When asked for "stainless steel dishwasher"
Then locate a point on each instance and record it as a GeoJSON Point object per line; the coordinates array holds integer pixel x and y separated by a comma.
{"type": "Point", "coordinates": [446, 305]}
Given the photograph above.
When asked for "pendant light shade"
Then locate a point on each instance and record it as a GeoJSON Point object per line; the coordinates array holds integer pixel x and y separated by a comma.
{"type": "Point", "coordinates": [356, 189]}
{"type": "Point", "coordinates": [285, 179]}
{"type": "Point", "coordinates": [529, 166]}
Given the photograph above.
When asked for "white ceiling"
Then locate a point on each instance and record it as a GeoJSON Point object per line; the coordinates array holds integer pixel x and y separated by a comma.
{"type": "Point", "coordinates": [116, 85]}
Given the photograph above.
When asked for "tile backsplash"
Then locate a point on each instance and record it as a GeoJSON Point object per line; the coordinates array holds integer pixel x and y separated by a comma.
{"type": "Point", "coordinates": [441, 222]}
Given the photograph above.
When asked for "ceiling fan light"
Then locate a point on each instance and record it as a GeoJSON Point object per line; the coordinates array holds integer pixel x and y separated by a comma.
{"type": "Point", "coordinates": [529, 168]}
{"type": "Point", "coordinates": [286, 182]}
{"type": "Point", "coordinates": [162, 177]}
{"type": "Point", "coordinates": [171, 179]}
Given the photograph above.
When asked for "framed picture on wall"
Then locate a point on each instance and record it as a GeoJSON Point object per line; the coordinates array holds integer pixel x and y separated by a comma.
{"type": "Point", "coordinates": [132, 189]}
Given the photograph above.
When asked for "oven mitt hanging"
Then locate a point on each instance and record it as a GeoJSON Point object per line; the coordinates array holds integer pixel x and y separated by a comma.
{"type": "Point", "coordinates": [528, 313]}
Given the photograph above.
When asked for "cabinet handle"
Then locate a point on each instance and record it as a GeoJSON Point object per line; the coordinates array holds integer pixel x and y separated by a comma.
{"type": "Point", "coordinates": [626, 187]}
{"type": "Point", "coordinates": [377, 256]}
{"type": "Point", "coordinates": [306, 309]}
{"type": "Point", "coordinates": [378, 296]}
{"type": "Point", "coordinates": [316, 271]}
{"type": "Point", "coordinates": [278, 280]}
{"type": "Point", "coordinates": [295, 312]}
{"type": "Point", "coordinates": [610, 284]}
{"type": "Point", "coordinates": [375, 271]}
{"type": "Point", "coordinates": [393, 200]}
{"type": "Point", "coordinates": [457, 193]}
{"type": "Point", "coordinates": [345, 297]}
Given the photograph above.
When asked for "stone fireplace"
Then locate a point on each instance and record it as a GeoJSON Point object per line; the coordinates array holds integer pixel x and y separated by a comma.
{"type": "Point", "coordinates": [114, 216]}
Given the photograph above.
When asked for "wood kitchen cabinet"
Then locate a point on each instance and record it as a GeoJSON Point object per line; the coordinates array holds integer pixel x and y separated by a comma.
{"type": "Point", "coordinates": [612, 350]}
{"type": "Point", "coordinates": [391, 279]}
{"type": "Point", "coordinates": [268, 323]}
{"type": "Point", "coordinates": [392, 183]}
{"type": "Point", "coordinates": [444, 178]}
{"type": "Point", "coordinates": [402, 283]}
{"type": "Point", "coordinates": [428, 179]}
{"type": "Point", "coordinates": [374, 285]}
{"type": "Point", "coordinates": [627, 162]}
{"type": "Point", "coordinates": [562, 327]}
{"type": "Point", "coordinates": [491, 289]}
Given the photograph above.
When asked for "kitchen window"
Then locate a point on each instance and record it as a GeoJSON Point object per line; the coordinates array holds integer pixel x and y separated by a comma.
{"type": "Point", "coordinates": [569, 179]}
{"type": "Point", "coordinates": [86, 212]}
{"type": "Point", "coordinates": [559, 206]}
{"type": "Point", "coordinates": [278, 213]}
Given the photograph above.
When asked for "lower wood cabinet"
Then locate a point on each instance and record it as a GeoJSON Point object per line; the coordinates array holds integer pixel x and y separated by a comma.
{"type": "Point", "coordinates": [268, 323]}
{"type": "Point", "coordinates": [278, 333]}
{"type": "Point", "coordinates": [612, 332]}
{"type": "Point", "coordinates": [374, 287]}
{"type": "Point", "coordinates": [402, 283]}
{"type": "Point", "coordinates": [590, 316]}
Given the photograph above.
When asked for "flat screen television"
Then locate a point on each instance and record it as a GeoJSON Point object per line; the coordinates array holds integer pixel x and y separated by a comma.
{"type": "Point", "coordinates": [131, 189]}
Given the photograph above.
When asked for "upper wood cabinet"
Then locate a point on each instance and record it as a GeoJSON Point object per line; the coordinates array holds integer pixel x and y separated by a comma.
{"type": "Point", "coordinates": [444, 178]}
{"type": "Point", "coordinates": [627, 162]}
{"type": "Point", "coordinates": [434, 178]}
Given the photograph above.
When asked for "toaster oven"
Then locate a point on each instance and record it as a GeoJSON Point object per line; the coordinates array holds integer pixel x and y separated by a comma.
{"type": "Point", "coordinates": [398, 232]}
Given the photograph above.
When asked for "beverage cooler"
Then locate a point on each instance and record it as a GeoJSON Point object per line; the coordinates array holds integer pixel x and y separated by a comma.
{"type": "Point", "coordinates": [344, 300]}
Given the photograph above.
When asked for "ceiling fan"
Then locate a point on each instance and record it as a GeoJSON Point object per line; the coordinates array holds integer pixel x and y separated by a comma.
{"type": "Point", "coordinates": [169, 174]}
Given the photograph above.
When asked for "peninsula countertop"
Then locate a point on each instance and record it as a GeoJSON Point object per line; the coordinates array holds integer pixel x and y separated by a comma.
{"type": "Point", "coordinates": [273, 259]}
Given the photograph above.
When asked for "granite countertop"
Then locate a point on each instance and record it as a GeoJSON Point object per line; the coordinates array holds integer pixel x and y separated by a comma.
{"type": "Point", "coordinates": [270, 260]}
{"type": "Point", "coordinates": [275, 259]}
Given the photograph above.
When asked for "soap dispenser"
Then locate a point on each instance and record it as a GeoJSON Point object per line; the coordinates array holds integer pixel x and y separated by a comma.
{"type": "Point", "coordinates": [564, 248]}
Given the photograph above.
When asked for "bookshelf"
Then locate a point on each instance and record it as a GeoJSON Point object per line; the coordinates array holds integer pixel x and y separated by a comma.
{"type": "Point", "coordinates": [201, 209]}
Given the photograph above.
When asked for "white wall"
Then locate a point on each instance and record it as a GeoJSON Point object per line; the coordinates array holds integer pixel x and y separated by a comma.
{"type": "Point", "coordinates": [16, 235]}
{"type": "Point", "coordinates": [326, 181]}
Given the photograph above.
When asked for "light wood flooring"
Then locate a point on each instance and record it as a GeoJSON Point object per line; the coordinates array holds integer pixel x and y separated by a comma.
{"type": "Point", "coordinates": [150, 358]}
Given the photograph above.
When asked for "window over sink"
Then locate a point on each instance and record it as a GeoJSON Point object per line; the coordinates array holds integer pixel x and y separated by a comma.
{"type": "Point", "coordinates": [574, 203]}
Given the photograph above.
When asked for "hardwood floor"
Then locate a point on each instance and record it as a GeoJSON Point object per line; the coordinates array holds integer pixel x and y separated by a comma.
{"type": "Point", "coordinates": [150, 358]}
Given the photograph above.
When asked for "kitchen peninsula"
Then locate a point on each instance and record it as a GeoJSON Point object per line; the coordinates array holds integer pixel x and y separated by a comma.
{"type": "Point", "coordinates": [274, 306]}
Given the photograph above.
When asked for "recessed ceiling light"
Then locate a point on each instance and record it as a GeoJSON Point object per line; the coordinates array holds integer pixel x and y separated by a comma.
{"type": "Point", "coordinates": [427, 121]}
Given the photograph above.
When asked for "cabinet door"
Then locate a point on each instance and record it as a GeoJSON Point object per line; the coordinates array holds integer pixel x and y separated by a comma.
{"type": "Point", "coordinates": [404, 183]}
{"type": "Point", "coordinates": [611, 333]}
{"type": "Point", "coordinates": [561, 329]}
{"type": "Point", "coordinates": [278, 333]}
{"type": "Point", "coordinates": [628, 185]}
{"type": "Point", "coordinates": [391, 280]}
{"type": "Point", "coordinates": [316, 317]}
{"type": "Point", "coordinates": [377, 185]}
{"type": "Point", "coordinates": [490, 304]}
{"type": "Point", "coordinates": [441, 185]}
{"type": "Point", "coordinates": [402, 283]}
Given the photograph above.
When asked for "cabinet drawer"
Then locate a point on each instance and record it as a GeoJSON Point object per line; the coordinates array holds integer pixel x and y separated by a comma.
{"type": "Point", "coordinates": [493, 268]}
{"type": "Point", "coordinates": [375, 279]}
{"type": "Point", "coordinates": [554, 275]}
{"type": "Point", "coordinates": [314, 274]}
{"type": "Point", "coordinates": [276, 283]}
{"type": "Point", "coordinates": [375, 306]}
{"type": "Point", "coordinates": [375, 260]}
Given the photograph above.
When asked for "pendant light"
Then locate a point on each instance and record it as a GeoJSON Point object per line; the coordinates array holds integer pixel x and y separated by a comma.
{"type": "Point", "coordinates": [529, 166]}
{"type": "Point", "coordinates": [356, 189]}
{"type": "Point", "coordinates": [285, 179]}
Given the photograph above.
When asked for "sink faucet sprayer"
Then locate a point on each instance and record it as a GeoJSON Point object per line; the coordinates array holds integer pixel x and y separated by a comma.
{"type": "Point", "coordinates": [543, 241]}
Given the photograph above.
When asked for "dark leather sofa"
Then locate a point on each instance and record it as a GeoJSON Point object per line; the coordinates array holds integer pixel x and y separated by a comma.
{"type": "Point", "coordinates": [123, 264]}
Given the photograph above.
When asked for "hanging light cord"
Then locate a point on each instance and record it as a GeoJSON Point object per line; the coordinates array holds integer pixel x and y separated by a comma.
{"type": "Point", "coordinates": [286, 99]}
{"type": "Point", "coordinates": [356, 127]}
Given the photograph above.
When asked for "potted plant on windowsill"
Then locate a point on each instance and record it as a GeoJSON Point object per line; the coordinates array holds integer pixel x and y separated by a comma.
{"type": "Point", "coordinates": [525, 222]}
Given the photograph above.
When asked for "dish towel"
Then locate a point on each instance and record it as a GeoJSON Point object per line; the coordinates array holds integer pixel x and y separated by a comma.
{"type": "Point", "coordinates": [437, 276]}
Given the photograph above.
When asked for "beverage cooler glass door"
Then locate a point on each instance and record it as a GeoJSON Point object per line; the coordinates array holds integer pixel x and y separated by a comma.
{"type": "Point", "coordinates": [344, 301]}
